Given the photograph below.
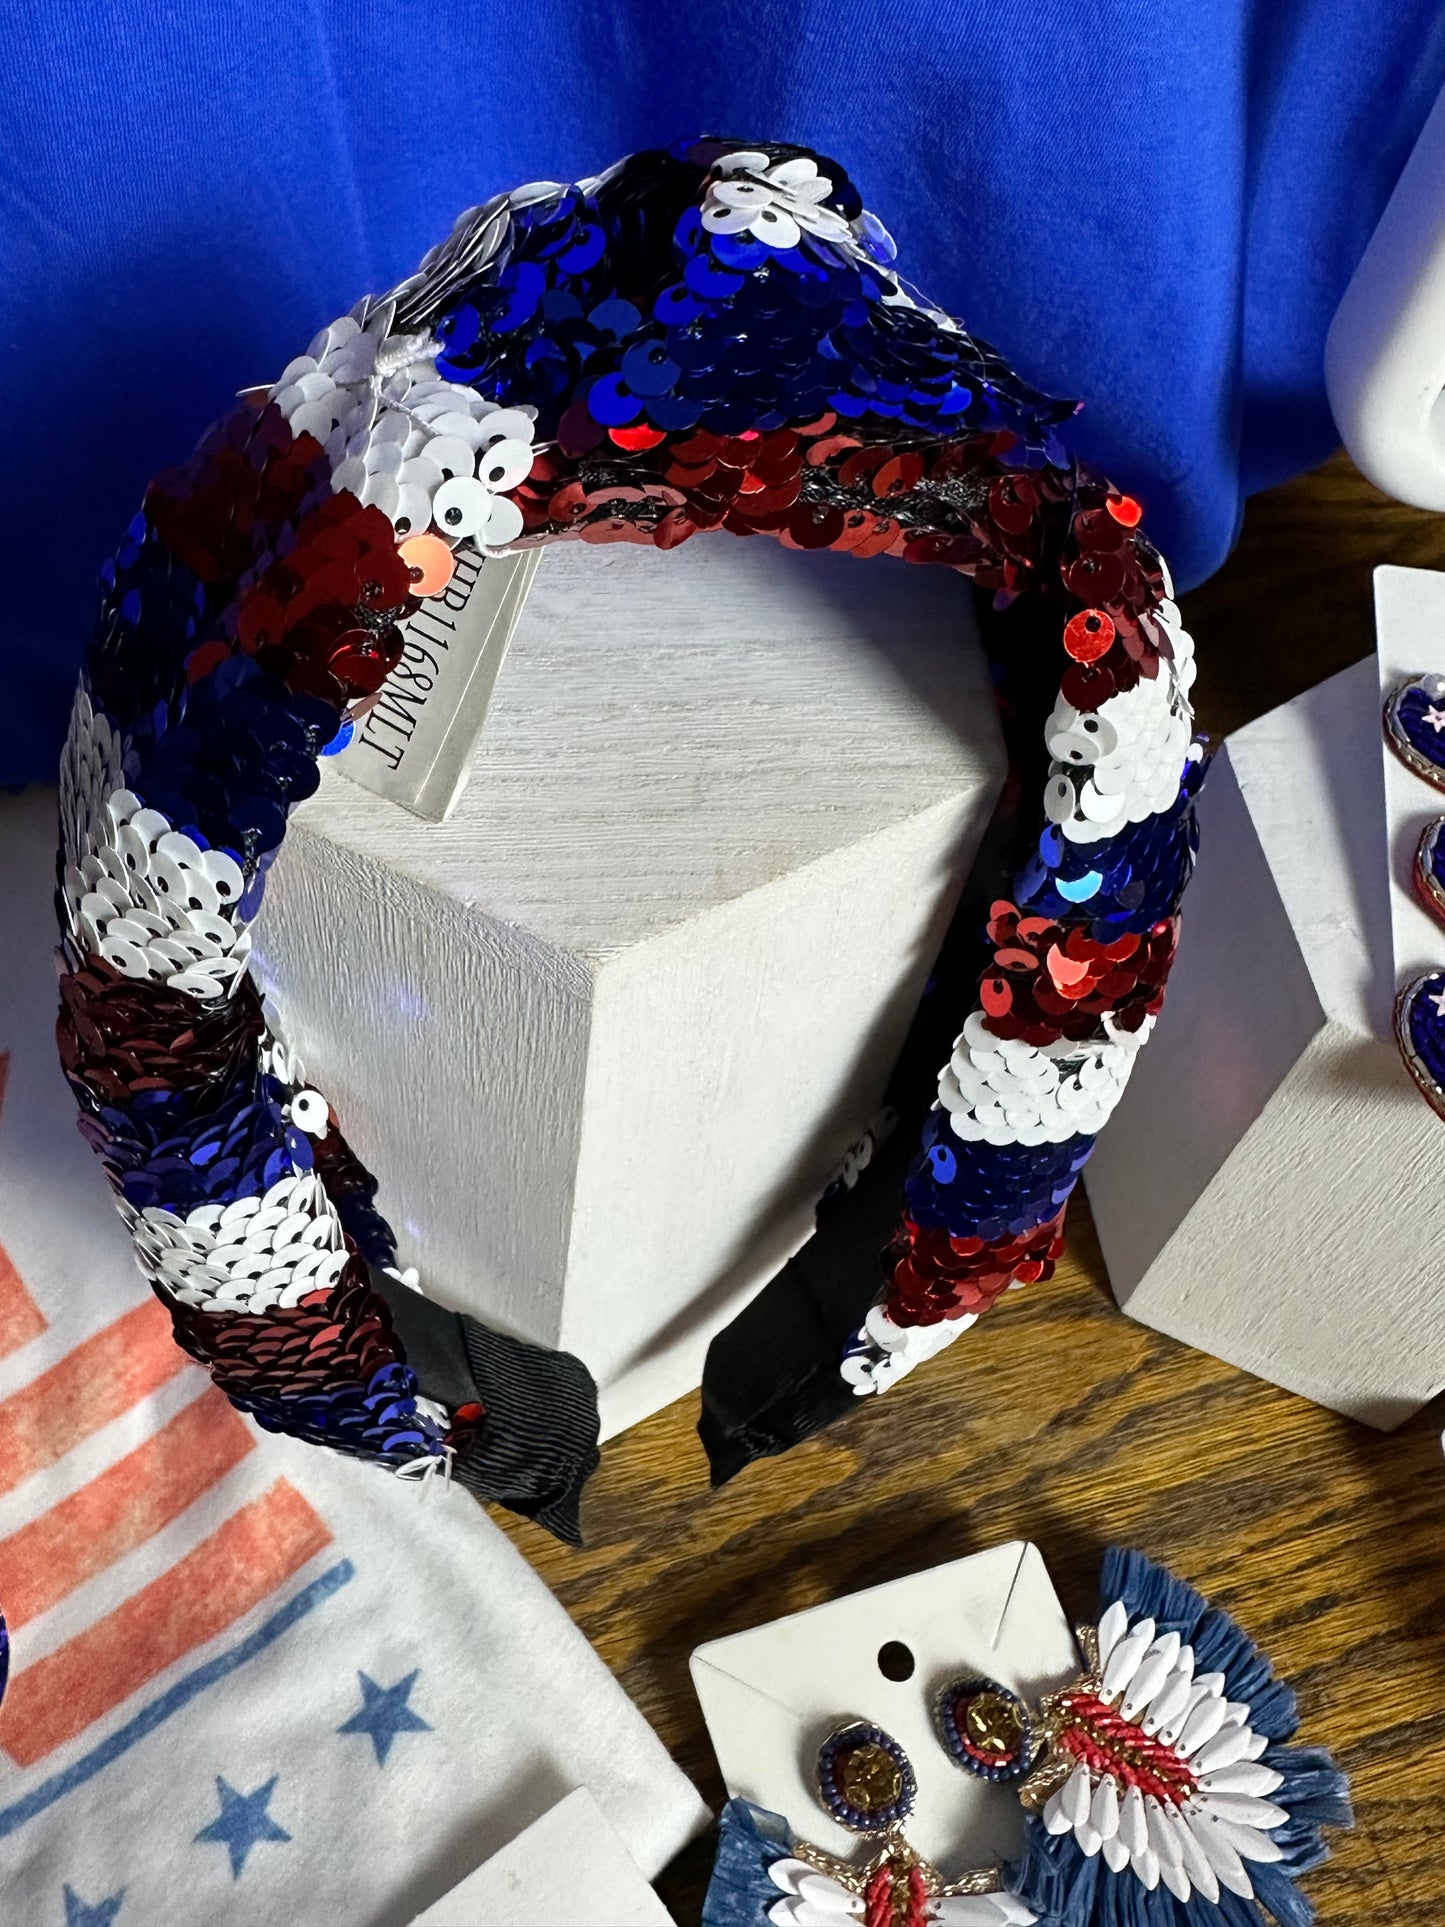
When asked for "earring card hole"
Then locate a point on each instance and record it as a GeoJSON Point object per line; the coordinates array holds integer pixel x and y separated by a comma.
{"type": "Point", "coordinates": [895, 1661]}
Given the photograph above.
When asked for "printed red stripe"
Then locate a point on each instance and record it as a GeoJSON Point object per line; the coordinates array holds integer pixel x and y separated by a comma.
{"type": "Point", "coordinates": [103, 1377]}
{"type": "Point", "coordinates": [21, 1319]}
{"type": "Point", "coordinates": [254, 1552]}
{"type": "Point", "coordinates": [121, 1508]}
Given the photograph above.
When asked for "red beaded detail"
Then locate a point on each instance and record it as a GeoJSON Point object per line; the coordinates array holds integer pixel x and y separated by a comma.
{"type": "Point", "coordinates": [1108, 1743]}
{"type": "Point", "coordinates": [896, 1896]}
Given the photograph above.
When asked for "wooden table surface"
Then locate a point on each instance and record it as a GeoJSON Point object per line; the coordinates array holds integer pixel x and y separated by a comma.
{"type": "Point", "coordinates": [1059, 1420]}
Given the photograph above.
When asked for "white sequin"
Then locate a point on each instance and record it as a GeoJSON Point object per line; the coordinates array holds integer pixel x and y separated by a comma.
{"type": "Point", "coordinates": [1005, 1091]}
{"type": "Point", "coordinates": [90, 775]}
{"type": "Point", "coordinates": [777, 204]}
{"type": "Point", "coordinates": [881, 1353]}
{"type": "Point", "coordinates": [431, 454]}
{"type": "Point", "coordinates": [137, 892]}
{"type": "Point", "coordinates": [1122, 763]}
{"type": "Point", "coordinates": [277, 1057]}
{"type": "Point", "coordinates": [308, 1112]}
{"type": "Point", "coordinates": [249, 1256]}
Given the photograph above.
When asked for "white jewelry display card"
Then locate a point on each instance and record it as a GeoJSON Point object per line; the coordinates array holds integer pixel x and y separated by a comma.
{"type": "Point", "coordinates": [771, 1696]}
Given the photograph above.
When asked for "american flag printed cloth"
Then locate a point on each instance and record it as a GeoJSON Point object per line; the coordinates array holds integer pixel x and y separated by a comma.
{"type": "Point", "coordinates": [249, 1683]}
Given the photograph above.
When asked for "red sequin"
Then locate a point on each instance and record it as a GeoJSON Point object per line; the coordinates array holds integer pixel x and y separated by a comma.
{"type": "Point", "coordinates": [1089, 635]}
{"type": "Point", "coordinates": [1050, 980]}
{"type": "Point", "coordinates": [119, 1036]}
{"type": "Point", "coordinates": [935, 1277]}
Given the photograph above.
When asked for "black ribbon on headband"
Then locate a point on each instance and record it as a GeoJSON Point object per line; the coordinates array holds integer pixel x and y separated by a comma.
{"type": "Point", "coordinates": [771, 1377]}
{"type": "Point", "coordinates": [536, 1444]}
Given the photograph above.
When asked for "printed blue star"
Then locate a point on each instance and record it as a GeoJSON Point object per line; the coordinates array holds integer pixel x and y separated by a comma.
{"type": "Point", "coordinates": [242, 1821]}
{"type": "Point", "coordinates": [98, 1914]}
{"type": "Point", "coordinates": [385, 1713]}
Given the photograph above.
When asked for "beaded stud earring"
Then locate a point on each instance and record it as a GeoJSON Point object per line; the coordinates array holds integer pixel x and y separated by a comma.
{"type": "Point", "coordinates": [865, 1779]}
{"type": "Point", "coordinates": [985, 1728]}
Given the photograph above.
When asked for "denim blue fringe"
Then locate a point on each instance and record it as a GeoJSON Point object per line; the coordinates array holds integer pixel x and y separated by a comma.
{"type": "Point", "coordinates": [750, 1839]}
{"type": "Point", "coordinates": [1067, 1889]}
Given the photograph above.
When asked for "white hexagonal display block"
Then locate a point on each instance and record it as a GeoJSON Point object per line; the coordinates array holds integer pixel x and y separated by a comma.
{"type": "Point", "coordinates": [1269, 1188]}
{"type": "Point", "coordinates": [605, 1032]}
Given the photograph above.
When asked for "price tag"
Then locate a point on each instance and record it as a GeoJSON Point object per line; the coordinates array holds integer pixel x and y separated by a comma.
{"type": "Point", "coordinates": [414, 746]}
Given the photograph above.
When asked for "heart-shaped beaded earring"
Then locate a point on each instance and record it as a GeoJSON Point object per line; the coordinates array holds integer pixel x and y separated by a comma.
{"type": "Point", "coordinates": [1415, 730]}
{"type": "Point", "coordinates": [1415, 726]}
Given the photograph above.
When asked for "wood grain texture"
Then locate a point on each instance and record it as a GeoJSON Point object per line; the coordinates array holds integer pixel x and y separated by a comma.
{"type": "Point", "coordinates": [1060, 1420]}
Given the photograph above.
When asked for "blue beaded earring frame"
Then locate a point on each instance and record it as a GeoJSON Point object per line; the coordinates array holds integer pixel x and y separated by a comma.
{"type": "Point", "coordinates": [849, 1747]}
{"type": "Point", "coordinates": [984, 1728]}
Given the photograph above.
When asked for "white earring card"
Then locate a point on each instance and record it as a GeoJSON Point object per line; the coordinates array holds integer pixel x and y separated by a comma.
{"type": "Point", "coordinates": [771, 1696]}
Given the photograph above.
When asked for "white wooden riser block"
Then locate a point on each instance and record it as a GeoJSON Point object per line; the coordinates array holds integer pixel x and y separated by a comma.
{"type": "Point", "coordinates": [605, 1032]}
{"type": "Point", "coordinates": [1270, 1187]}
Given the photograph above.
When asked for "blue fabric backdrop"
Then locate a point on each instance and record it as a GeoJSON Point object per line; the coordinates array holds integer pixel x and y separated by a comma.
{"type": "Point", "coordinates": [1153, 204]}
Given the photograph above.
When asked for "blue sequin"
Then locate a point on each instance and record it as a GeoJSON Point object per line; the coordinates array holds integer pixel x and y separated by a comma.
{"type": "Point", "coordinates": [522, 284]}
{"type": "Point", "coordinates": [648, 369]}
{"type": "Point", "coordinates": [164, 1154]}
{"type": "Point", "coordinates": [616, 317]}
{"type": "Point", "coordinates": [612, 403]}
{"type": "Point", "coordinates": [992, 1191]}
{"type": "Point", "coordinates": [945, 1164]}
{"type": "Point", "coordinates": [1149, 864]}
{"type": "Point", "coordinates": [460, 330]}
{"type": "Point", "coordinates": [584, 252]}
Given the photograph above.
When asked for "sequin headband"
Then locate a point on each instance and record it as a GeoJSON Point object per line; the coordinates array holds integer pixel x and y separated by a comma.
{"type": "Point", "coordinates": [705, 337]}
